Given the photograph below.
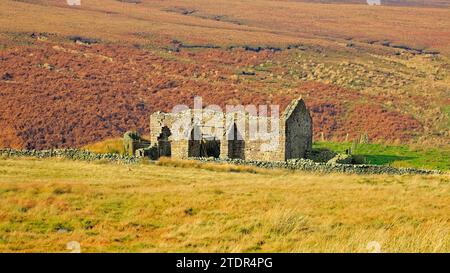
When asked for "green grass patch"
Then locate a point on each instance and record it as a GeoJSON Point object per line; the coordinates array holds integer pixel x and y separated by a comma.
{"type": "Point", "coordinates": [447, 111]}
{"type": "Point", "coordinates": [398, 156]}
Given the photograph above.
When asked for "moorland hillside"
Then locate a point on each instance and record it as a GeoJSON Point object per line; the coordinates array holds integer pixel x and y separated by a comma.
{"type": "Point", "coordinates": [73, 75]}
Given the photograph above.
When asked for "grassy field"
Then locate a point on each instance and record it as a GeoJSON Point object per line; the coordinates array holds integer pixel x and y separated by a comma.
{"type": "Point", "coordinates": [397, 156]}
{"type": "Point", "coordinates": [147, 208]}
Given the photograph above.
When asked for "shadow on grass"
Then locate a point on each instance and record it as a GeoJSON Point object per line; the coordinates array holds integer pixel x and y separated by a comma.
{"type": "Point", "coordinates": [385, 159]}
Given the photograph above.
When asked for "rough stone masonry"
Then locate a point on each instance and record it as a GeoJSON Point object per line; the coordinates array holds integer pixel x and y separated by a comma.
{"type": "Point", "coordinates": [229, 135]}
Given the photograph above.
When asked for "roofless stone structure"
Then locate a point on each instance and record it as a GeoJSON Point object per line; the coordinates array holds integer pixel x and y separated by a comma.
{"type": "Point", "coordinates": [209, 133]}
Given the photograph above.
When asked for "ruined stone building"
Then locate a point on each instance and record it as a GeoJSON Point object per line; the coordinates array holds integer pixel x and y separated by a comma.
{"type": "Point", "coordinates": [132, 142]}
{"type": "Point", "coordinates": [209, 133]}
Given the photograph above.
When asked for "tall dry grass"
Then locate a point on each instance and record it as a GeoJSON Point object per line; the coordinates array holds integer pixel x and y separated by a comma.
{"type": "Point", "coordinates": [196, 208]}
{"type": "Point", "coordinates": [107, 146]}
{"type": "Point", "coordinates": [219, 167]}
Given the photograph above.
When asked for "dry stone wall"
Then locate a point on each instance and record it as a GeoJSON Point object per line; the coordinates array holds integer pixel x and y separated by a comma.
{"type": "Point", "coordinates": [73, 154]}
{"type": "Point", "coordinates": [311, 166]}
{"type": "Point", "coordinates": [295, 164]}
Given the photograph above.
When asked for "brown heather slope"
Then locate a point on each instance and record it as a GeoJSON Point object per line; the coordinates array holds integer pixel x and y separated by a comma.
{"type": "Point", "coordinates": [225, 22]}
{"type": "Point", "coordinates": [151, 56]}
{"type": "Point", "coordinates": [401, 3]}
{"type": "Point", "coordinates": [72, 95]}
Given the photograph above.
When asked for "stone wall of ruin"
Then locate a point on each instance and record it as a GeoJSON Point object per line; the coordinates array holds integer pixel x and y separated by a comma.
{"type": "Point", "coordinates": [298, 131]}
{"type": "Point", "coordinates": [244, 146]}
{"type": "Point", "coordinates": [293, 137]}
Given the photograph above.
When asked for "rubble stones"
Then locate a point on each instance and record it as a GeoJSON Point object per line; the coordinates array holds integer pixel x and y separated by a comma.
{"type": "Point", "coordinates": [340, 159]}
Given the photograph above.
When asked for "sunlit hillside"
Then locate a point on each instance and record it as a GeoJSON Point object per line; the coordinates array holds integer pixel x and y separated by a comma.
{"type": "Point", "coordinates": [380, 70]}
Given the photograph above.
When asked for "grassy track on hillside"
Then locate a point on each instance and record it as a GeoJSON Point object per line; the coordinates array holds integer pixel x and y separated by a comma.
{"type": "Point", "coordinates": [146, 208]}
